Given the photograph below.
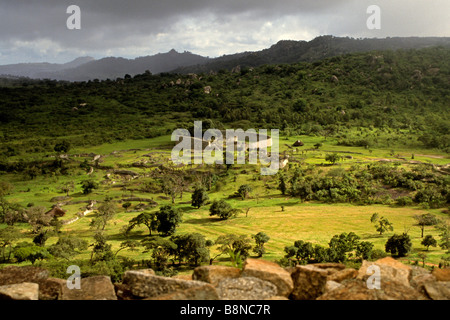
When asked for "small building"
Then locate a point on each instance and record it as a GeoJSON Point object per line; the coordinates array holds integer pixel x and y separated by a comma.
{"type": "Point", "coordinates": [298, 143]}
{"type": "Point", "coordinates": [56, 211]}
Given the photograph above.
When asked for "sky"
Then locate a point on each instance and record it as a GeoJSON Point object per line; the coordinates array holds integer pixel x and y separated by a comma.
{"type": "Point", "coordinates": [36, 30]}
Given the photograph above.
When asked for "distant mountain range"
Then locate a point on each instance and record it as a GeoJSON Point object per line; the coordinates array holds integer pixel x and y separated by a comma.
{"type": "Point", "coordinates": [88, 68]}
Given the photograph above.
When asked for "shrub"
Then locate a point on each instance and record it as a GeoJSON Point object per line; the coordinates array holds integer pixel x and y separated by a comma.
{"type": "Point", "coordinates": [399, 245]}
{"type": "Point", "coordinates": [222, 209]}
{"type": "Point", "coordinates": [404, 201]}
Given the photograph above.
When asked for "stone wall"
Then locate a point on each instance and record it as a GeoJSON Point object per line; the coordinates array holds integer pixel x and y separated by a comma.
{"type": "Point", "coordinates": [258, 280]}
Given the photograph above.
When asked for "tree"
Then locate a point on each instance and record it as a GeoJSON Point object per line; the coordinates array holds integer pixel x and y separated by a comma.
{"type": "Point", "coordinates": [173, 185]}
{"type": "Point", "coordinates": [26, 251]}
{"type": "Point", "coordinates": [88, 186]}
{"type": "Point", "coordinates": [62, 147]}
{"type": "Point", "coordinates": [5, 188]}
{"type": "Point", "coordinates": [149, 219]}
{"type": "Point", "coordinates": [260, 239]}
{"type": "Point", "coordinates": [422, 257]}
{"type": "Point", "coordinates": [32, 172]}
{"type": "Point", "coordinates": [382, 225]}
{"type": "Point", "coordinates": [426, 219]}
{"type": "Point", "coordinates": [191, 247]}
{"type": "Point", "coordinates": [364, 250]}
{"type": "Point", "coordinates": [342, 244]}
{"type": "Point", "coordinates": [68, 247]}
{"type": "Point", "coordinates": [398, 245]}
{"type": "Point", "coordinates": [301, 250]}
{"type": "Point", "coordinates": [161, 248]}
{"type": "Point", "coordinates": [282, 184]}
{"type": "Point", "coordinates": [333, 158]}
{"type": "Point", "coordinates": [127, 244]}
{"type": "Point", "coordinates": [318, 145]}
{"type": "Point", "coordinates": [67, 187]}
{"type": "Point", "coordinates": [7, 237]}
{"type": "Point", "coordinates": [222, 209]}
{"type": "Point", "coordinates": [37, 218]}
{"type": "Point", "coordinates": [10, 213]}
{"type": "Point", "coordinates": [199, 197]}
{"type": "Point", "coordinates": [101, 250]}
{"type": "Point", "coordinates": [429, 241]}
{"type": "Point", "coordinates": [105, 213]}
{"type": "Point", "coordinates": [41, 238]}
{"type": "Point", "coordinates": [444, 228]}
{"type": "Point", "coordinates": [126, 205]}
{"type": "Point", "coordinates": [374, 218]}
{"type": "Point", "coordinates": [320, 254]}
{"type": "Point", "coordinates": [169, 218]}
{"type": "Point", "coordinates": [235, 244]}
{"type": "Point", "coordinates": [244, 191]}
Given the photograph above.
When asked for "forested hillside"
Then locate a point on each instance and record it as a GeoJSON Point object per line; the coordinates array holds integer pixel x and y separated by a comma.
{"type": "Point", "coordinates": [405, 91]}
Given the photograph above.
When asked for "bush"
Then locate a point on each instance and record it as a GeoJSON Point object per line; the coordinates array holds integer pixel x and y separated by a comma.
{"type": "Point", "coordinates": [222, 209]}
{"type": "Point", "coordinates": [244, 191]}
{"type": "Point", "coordinates": [378, 254]}
{"type": "Point", "coordinates": [169, 218]}
{"type": "Point", "coordinates": [404, 201]}
{"type": "Point", "coordinates": [399, 245]}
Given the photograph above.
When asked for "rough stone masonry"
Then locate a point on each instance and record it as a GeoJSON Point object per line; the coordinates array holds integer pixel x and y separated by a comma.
{"type": "Point", "coordinates": [257, 280]}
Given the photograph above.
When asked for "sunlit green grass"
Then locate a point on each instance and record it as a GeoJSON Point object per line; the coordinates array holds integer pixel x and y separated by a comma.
{"type": "Point", "coordinates": [312, 222]}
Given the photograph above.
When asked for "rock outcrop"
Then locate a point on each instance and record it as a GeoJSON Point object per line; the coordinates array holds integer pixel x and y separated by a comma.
{"type": "Point", "coordinates": [257, 280]}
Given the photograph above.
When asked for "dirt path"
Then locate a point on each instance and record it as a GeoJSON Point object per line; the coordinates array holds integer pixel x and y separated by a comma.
{"type": "Point", "coordinates": [430, 156]}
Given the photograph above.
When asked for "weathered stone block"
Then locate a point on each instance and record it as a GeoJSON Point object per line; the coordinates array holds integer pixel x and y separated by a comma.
{"type": "Point", "coordinates": [271, 272]}
{"type": "Point", "coordinates": [342, 275]}
{"type": "Point", "coordinates": [214, 274]}
{"type": "Point", "coordinates": [20, 291]}
{"type": "Point", "coordinates": [92, 288]}
{"type": "Point", "coordinates": [442, 274]}
{"type": "Point", "coordinates": [206, 292]}
{"type": "Point", "coordinates": [143, 285]}
{"type": "Point", "coordinates": [309, 282]}
{"type": "Point", "coordinates": [246, 288]}
{"type": "Point", "coordinates": [14, 274]}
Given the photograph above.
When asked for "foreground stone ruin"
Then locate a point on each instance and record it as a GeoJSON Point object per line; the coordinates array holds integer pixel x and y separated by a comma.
{"type": "Point", "coordinates": [258, 280]}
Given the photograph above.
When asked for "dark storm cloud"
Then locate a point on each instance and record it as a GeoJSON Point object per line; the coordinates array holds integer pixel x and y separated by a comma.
{"type": "Point", "coordinates": [210, 27]}
{"type": "Point", "coordinates": [28, 19]}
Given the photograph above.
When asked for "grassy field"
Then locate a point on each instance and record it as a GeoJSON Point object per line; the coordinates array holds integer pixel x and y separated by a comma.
{"type": "Point", "coordinates": [313, 222]}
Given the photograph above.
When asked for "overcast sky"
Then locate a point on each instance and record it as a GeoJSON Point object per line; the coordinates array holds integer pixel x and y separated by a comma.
{"type": "Point", "coordinates": [36, 31]}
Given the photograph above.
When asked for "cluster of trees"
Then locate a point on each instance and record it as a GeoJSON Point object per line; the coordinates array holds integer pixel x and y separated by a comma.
{"type": "Point", "coordinates": [165, 221]}
{"type": "Point", "coordinates": [340, 248]}
{"type": "Point", "coordinates": [363, 185]}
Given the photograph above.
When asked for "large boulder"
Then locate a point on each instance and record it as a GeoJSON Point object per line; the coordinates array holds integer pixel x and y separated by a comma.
{"type": "Point", "coordinates": [14, 274]}
{"type": "Point", "coordinates": [92, 288]}
{"type": "Point", "coordinates": [20, 291]}
{"type": "Point", "coordinates": [214, 274]}
{"type": "Point", "coordinates": [442, 274]}
{"type": "Point", "coordinates": [438, 290]}
{"type": "Point", "coordinates": [246, 288]}
{"type": "Point", "coordinates": [391, 270]}
{"type": "Point", "coordinates": [143, 285]}
{"type": "Point", "coordinates": [271, 272]}
{"type": "Point", "coordinates": [309, 282]}
{"type": "Point", "coordinates": [52, 288]}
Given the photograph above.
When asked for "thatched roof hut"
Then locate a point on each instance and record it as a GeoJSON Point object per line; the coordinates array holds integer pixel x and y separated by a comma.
{"type": "Point", "coordinates": [56, 211]}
